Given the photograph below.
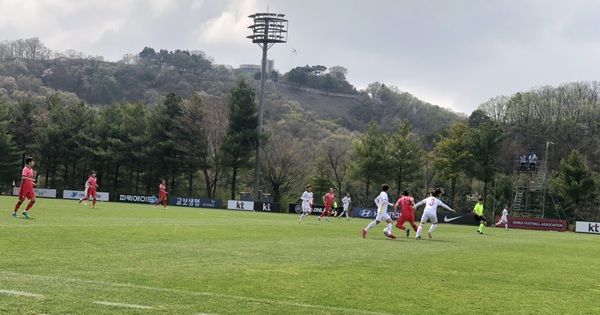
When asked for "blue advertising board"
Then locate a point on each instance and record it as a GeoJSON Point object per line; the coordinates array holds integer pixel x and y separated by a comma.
{"type": "Point", "coordinates": [370, 213]}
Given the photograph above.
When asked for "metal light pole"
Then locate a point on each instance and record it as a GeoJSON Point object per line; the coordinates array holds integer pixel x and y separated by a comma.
{"type": "Point", "coordinates": [544, 180]}
{"type": "Point", "coordinates": [267, 30]}
{"type": "Point", "coordinates": [494, 206]}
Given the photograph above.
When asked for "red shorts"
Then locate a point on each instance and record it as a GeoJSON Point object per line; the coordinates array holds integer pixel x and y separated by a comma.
{"type": "Point", "coordinates": [408, 217]}
{"type": "Point", "coordinates": [92, 193]}
{"type": "Point", "coordinates": [28, 193]}
{"type": "Point", "coordinates": [162, 196]}
{"type": "Point", "coordinates": [327, 207]}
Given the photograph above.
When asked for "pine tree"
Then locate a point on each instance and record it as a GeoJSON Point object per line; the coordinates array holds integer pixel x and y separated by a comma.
{"type": "Point", "coordinates": [242, 134]}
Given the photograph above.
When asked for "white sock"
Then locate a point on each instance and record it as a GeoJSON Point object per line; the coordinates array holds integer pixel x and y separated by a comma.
{"type": "Point", "coordinates": [347, 216]}
{"type": "Point", "coordinates": [506, 226]}
{"type": "Point", "coordinates": [302, 217]}
{"type": "Point", "coordinates": [389, 228]}
{"type": "Point", "coordinates": [432, 228]}
{"type": "Point", "coordinates": [419, 230]}
{"type": "Point", "coordinates": [371, 225]}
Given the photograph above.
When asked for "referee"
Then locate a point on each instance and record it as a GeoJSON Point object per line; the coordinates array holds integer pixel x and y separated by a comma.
{"type": "Point", "coordinates": [478, 211]}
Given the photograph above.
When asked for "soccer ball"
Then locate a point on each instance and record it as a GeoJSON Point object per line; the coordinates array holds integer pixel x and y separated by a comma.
{"type": "Point", "coordinates": [385, 231]}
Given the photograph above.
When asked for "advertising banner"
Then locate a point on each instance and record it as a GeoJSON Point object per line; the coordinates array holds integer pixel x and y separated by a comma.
{"type": "Point", "coordinates": [78, 194]}
{"type": "Point", "coordinates": [587, 227]}
{"type": "Point", "coordinates": [371, 213]}
{"type": "Point", "coordinates": [39, 192]}
{"type": "Point", "coordinates": [136, 198]}
{"type": "Point", "coordinates": [196, 202]}
{"type": "Point", "coordinates": [273, 207]}
{"type": "Point", "coordinates": [240, 205]}
{"type": "Point", "coordinates": [296, 208]}
{"type": "Point", "coordinates": [455, 218]}
{"type": "Point", "coordinates": [535, 224]}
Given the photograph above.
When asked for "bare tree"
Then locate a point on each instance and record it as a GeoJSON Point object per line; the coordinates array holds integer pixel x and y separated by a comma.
{"type": "Point", "coordinates": [215, 123]}
{"type": "Point", "coordinates": [336, 151]}
{"type": "Point", "coordinates": [496, 108]}
{"type": "Point", "coordinates": [284, 164]}
{"type": "Point", "coordinates": [339, 72]}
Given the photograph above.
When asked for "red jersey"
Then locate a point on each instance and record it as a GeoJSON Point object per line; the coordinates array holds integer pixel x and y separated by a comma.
{"type": "Point", "coordinates": [92, 183]}
{"type": "Point", "coordinates": [329, 199]}
{"type": "Point", "coordinates": [27, 185]}
{"type": "Point", "coordinates": [162, 191]}
{"type": "Point", "coordinates": [406, 202]}
{"type": "Point", "coordinates": [26, 189]}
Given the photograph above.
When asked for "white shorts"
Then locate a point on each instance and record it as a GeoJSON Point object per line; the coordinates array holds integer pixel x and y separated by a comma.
{"type": "Point", "coordinates": [306, 208]}
{"type": "Point", "coordinates": [345, 208]}
{"type": "Point", "coordinates": [431, 215]}
{"type": "Point", "coordinates": [503, 220]}
{"type": "Point", "coordinates": [382, 217]}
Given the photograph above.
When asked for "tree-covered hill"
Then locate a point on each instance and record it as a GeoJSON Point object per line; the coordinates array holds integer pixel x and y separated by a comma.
{"type": "Point", "coordinates": [151, 74]}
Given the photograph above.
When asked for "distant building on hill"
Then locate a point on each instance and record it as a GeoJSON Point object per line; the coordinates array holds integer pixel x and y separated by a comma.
{"type": "Point", "coordinates": [250, 70]}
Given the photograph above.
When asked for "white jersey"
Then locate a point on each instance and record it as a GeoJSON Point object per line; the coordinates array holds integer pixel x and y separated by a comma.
{"type": "Point", "coordinates": [382, 202]}
{"type": "Point", "coordinates": [87, 185]}
{"type": "Point", "coordinates": [346, 202]}
{"type": "Point", "coordinates": [307, 198]}
{"type": "Point", "coordinates": [504, 214]}
{"type": "Point", "coordinates": [431, 204]}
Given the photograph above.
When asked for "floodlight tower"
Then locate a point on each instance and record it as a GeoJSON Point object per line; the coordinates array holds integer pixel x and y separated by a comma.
{"type": "Point", "coordinates": [267, 30]}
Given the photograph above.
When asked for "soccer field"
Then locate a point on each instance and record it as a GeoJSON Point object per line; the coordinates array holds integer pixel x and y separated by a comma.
{"type": "Point", "coordinates": [135, 259]}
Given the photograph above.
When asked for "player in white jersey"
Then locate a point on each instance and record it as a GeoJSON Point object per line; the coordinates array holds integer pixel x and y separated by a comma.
{"type": "Point", "coordinates": [346, 204]}
{"type": "Point", "coordinates": [307, 200]}
{"type": "Point", "coordinates": [504, 218]}
{"type": "Point", "coordinates": [431, 203]}
{"type": "Point", "coordinates": [382, 215]}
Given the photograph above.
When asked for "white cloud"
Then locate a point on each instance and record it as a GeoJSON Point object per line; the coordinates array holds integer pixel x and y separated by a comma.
{"type": "Point", "coordinates": [231, 26]}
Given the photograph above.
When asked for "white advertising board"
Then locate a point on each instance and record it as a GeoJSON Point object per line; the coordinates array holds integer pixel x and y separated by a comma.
{"type": "Point", "coordinates": [240, 205]}
{"type": "Point", "coordinates": [78, 194]}
{"type": "Point", "coordinates": [39, 192]}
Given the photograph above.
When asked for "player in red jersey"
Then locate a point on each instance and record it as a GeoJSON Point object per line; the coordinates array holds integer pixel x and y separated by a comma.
{"type": "Point", "coordinates": [91, 189]}
{"type": "Point", "coordinates": [408, 213]}
{"type": "Point", "coordinates": [26, 188]}
{"type": "Point", "coordinates": [328, 200]}
{"type": "Point", "coordinates": [162, 194]}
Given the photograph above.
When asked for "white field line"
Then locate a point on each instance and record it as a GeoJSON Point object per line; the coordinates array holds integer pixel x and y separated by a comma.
{"type": "Point", "coordinates": [195, 293]}
{"type": "Point", "coordinates": [21, 293]}
{"type": "Point", "coordinates": [123, 305]}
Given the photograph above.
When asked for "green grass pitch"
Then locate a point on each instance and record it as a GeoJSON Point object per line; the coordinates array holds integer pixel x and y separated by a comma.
{"type": "Point", "coordinates": [135, 259]}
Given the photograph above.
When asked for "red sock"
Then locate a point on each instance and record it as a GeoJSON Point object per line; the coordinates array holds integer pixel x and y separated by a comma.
{"type": "Point", "coordinates": [94, 203]}
{"type": "Point", "coordinates": [157, 203]}
{"type": "Point", "coordinates": [84, 199]}
{"type": "Point", "coordinates": [415, 227]}
{"type": "Point", "coordinates": [29, 205]}
{"type": "Point", "coordinates": [165, 203]}
{"type": "Point", "coordinates": [328, 213]}
{"type": "Point", "coordinates": [17, 206]}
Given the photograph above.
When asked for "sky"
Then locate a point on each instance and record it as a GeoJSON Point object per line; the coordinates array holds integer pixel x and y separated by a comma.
{"type": "Point", "coordinates": [456, 54]}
